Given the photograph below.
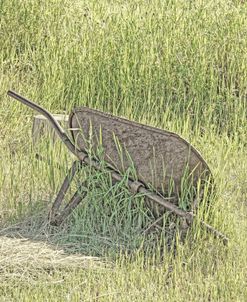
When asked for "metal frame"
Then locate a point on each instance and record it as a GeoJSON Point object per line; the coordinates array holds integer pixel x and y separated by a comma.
{"type": "Point", "coordinates": [83, 158]}
{"type": "Point", "coordinates": [57, 217]}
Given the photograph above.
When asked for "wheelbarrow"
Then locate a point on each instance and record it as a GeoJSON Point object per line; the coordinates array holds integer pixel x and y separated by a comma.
{"type": "Point", "coordinates": [160, 159]}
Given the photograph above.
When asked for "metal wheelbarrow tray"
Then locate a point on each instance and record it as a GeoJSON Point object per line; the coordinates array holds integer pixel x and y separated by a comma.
{"type": "Point", "coordinates": [160, 159]}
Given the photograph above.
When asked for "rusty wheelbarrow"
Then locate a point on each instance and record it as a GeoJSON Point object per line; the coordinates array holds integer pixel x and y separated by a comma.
{"type": "Point", "coordinates": [160, 159]}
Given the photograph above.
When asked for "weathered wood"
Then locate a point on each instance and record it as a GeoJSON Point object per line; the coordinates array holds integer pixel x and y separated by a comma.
{"type": "Point", "coordinates": [42, 127]}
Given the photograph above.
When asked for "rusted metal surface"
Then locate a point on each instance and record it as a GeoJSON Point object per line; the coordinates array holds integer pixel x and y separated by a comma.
{"type": "Point", "coordinates": [159, 156]}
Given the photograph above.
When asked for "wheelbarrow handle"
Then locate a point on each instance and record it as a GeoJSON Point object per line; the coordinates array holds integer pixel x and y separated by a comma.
{"type": "Point", "coordinates": [57, 127]}
{"type": "Point", "coordinates": [60, 131]}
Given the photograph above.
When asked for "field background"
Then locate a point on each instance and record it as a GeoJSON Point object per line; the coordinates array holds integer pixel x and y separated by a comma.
{"type": "Point", "coordinates": [178, 65]}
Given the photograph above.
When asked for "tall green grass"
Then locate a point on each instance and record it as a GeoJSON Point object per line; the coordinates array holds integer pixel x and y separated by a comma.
{"type": "Point", "coordinates": [178, 65]}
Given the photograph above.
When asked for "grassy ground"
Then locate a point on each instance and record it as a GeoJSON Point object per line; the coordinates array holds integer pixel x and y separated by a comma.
{"type": "Point", "coordinates": [178, 65]}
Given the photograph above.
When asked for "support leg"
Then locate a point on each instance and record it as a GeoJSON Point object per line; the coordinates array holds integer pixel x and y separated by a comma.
{"type": "Point", "coordinates": [58, 218]}
{"type": "Point", "coordinates": [62, 192]}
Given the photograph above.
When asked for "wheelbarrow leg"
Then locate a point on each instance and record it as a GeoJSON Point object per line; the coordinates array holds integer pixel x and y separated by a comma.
{"type": "Point", "coordinates": [155, 224]}
{"type": "Point", "coordinates": [57, 219]}
{"type": "Point", "coordinates": [62, 192]}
